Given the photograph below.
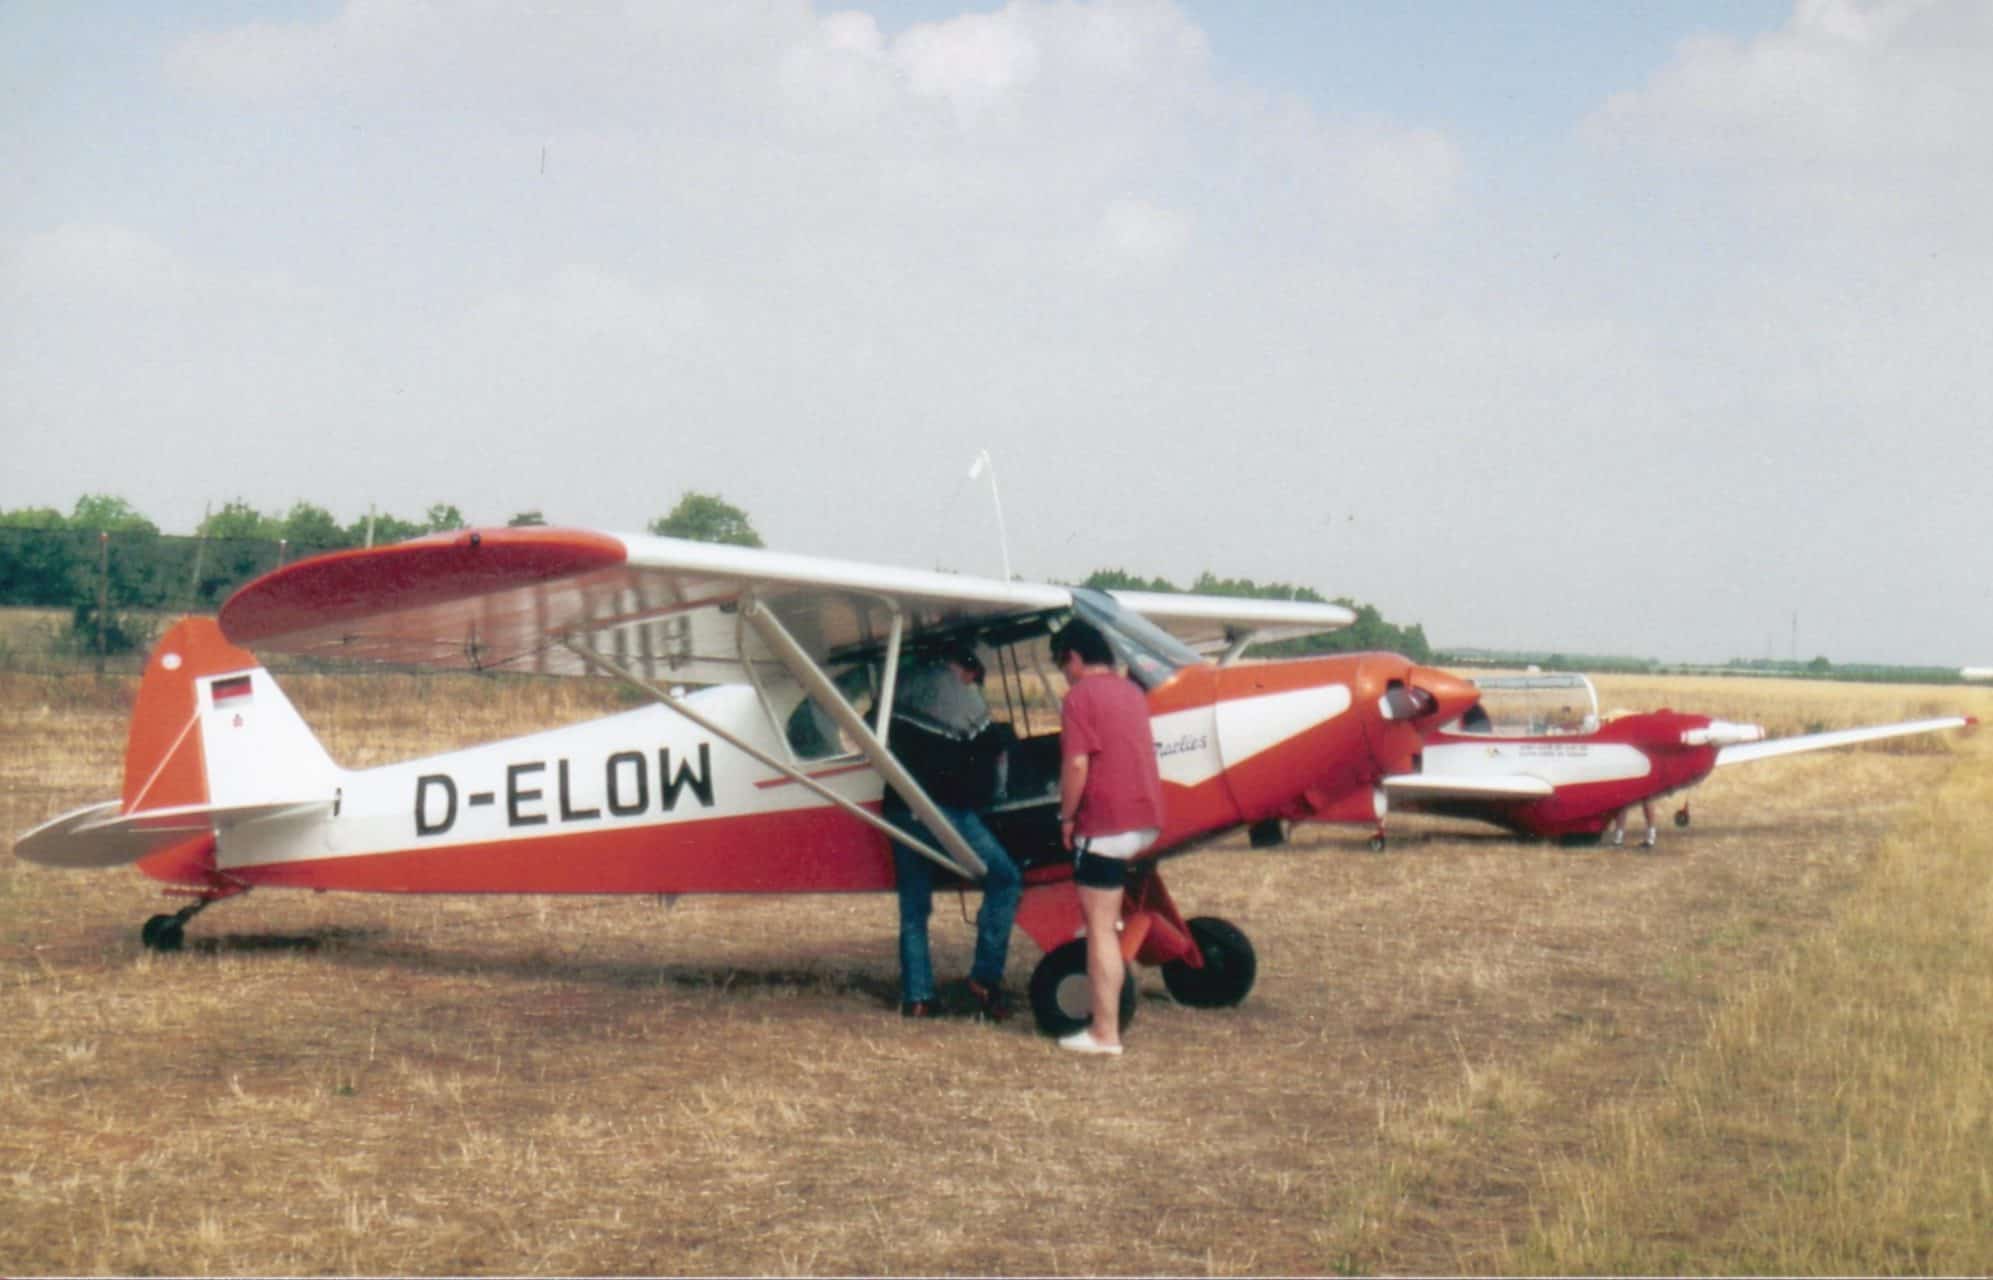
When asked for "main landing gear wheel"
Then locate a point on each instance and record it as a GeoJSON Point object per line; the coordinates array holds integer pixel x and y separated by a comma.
{"type": "Point", "coordinates": [1682, 816]}
{"type": "Point", "coordinates": [1060, 997]}
{"type": "Point", "coordinates": [1229, 966]}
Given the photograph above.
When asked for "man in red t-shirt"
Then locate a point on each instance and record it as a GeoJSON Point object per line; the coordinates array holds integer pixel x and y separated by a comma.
{"type": "Point", "coordinates": [1110, 809]}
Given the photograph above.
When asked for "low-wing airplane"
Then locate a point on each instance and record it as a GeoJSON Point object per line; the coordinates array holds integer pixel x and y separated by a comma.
{"type": "Point", "coordinates": [766, 780]}
{"type": "Point", "coordinates": [1532, 756]}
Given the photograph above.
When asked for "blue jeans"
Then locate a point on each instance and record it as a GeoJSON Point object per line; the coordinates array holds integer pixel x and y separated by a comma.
{"type": "Point", "coordinates": [915, 880]}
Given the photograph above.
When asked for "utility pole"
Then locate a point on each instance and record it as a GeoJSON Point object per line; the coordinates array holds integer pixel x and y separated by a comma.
{"type": "Point", "coordinates": [103, 591]}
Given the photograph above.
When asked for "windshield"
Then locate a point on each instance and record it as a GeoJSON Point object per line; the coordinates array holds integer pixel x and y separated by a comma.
{"type": "Point", "coordinates": [1151, 654]}
{"type": "Point", "coordinates": [1546, 703]}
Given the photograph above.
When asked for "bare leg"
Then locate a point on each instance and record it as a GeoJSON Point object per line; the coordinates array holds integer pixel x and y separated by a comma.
{"type": "Point", "coordinates": [1104, 968]}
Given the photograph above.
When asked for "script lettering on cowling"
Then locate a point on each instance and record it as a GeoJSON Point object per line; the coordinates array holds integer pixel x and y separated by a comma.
{"type": "Point", "coordinates": [630, 789]}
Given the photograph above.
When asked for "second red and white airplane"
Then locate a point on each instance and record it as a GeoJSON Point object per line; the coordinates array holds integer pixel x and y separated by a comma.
{"type": "Point", "coordinates": [1533, 757]}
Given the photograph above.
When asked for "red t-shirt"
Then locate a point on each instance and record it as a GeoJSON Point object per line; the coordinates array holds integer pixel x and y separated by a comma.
{"type": "Point", "coordinates": [1107, 719]}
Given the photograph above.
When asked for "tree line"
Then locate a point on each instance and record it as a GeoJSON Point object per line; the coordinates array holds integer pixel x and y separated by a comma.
{"type": "Point", "coordinates": [107, 562]}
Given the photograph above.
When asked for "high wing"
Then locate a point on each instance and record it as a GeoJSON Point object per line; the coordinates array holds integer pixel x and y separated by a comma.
{"type": "Point", "coordinates": [661, 611]}
{"type": "Point", "coordinates": [1508, 786]}
{"type": "Point", "coordinates": [1739, 753]}
{"type": "Point", "coordinates": [664, 608]}
{"type": "Point", "coordinates": [1230, 623]}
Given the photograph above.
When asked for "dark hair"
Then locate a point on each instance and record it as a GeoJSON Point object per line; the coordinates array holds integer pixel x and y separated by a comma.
{"type": "Point", "coordinates": [964, 656]}
{"type": "Point", "coordinates": [1082, 637]}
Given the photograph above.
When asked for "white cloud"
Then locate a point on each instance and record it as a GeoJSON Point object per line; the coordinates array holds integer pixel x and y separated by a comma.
{"type": "Point", "coordinates": [1137, 233]}
{"type": "Point", "coordinates": [1862, 108]}
{"type": "Point", "coordinates": [971, 61]}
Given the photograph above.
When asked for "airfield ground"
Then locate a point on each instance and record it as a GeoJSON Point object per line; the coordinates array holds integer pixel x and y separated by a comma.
{"type": "Point", "coordinates": [1764, 1047]}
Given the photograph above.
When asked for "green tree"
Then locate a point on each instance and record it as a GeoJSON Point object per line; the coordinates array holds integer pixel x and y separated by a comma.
{"type": "Point", "coordinates": [1210, 584]}
{"type": "Point", "coordinates": [33, 518]}
{"type": "Point", "coordinates": [102, 513]}
{"type": "Point", "coordinates": [237, 543]}
{"type": "Point", "coordinates": [309, 529]}
{"type": "Point", "coordinates": [41, 560]}
{"type": "Point", "coordinates": [526, 520]}
{"type": "Point", "coordinates": [706, 517]}
{"type": "Point", "coordinates": [442, 517]}
{"type": "Point", "coordinates": [1122, 580]}
{"type": "Point", "coordinates": [379, 530]}
{"type": "Point", "coordinates": [140, 568]}
{"type": "Point", "coordinates": [239, 520]}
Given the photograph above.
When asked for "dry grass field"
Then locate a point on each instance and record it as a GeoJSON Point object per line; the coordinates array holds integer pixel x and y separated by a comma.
{"type": "Point", "coordinates": [1762, 1048]}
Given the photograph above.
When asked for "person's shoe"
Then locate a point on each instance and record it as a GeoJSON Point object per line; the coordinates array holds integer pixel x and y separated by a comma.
{"type": "Point", "coordinates": [920, 1009]}
{"type": "Point", "coordinates": [1615, 837]}
{"type": "Point", "coordinates": [1648, 843]}
{"type": "Point", "coordinates": [990, 1001]}
{"type": "Point", "coordinates": [1082, 1041]}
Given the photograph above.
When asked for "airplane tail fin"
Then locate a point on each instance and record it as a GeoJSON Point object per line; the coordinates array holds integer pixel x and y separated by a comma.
{"type": "Point", "coordinates": [213, 742]}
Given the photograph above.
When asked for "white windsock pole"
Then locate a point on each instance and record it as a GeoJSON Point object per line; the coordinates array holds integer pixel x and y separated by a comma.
{"type": "Point", "coordinates": [976, 468]}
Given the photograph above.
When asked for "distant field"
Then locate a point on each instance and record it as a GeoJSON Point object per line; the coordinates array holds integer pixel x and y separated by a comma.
{"type": "Point", "coordinates": [1763, 1048]}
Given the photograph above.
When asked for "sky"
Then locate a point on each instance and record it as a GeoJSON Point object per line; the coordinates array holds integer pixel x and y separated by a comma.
{"type": "Point", "coordinates": [1652, 329]}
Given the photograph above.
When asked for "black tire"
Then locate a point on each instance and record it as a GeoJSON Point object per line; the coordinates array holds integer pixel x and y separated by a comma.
{"type": "Point", "coordinates": [162, 933]}
{"type": "Point", "coordinates": [1270, 834]}
{"type": "Point", "coordinates": [1229, 967]}
{"type": "Point", "coordinates": [1681, 817]}
{"type": "Point", "coordinates": [1060, 998]}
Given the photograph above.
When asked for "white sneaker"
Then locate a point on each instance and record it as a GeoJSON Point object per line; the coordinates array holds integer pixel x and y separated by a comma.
{"type": "Point", "coordinates": [1649, 841]}
{"type": "Point", "coordinates": [1615, 837]}
{"type": "Point", "coordinates": [1082, 1041]}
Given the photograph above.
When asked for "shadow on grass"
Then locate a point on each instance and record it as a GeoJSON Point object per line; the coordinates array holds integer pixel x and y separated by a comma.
{"type": "Point", "coordinates": [381, 950]}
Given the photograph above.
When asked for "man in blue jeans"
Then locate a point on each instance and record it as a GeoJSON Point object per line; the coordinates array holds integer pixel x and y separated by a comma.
{"type": "Point", "coordinates": [939, 720]}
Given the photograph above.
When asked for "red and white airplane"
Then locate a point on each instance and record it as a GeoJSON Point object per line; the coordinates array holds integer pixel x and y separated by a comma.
{"type": "Point", "coordinates": [1532, 757]}
{"type": "Point", "coordinates": [766, 780]}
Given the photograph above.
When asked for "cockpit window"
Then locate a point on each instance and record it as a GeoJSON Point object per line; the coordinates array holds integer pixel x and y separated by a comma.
{"type": "Point", "coordinates": [1151, 654]}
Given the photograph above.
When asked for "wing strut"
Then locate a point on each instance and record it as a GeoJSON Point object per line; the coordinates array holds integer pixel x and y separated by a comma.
{"type": "Point", "coordinates": [782, 767]}
{"type": "Point", "coordinates": [826, 695]}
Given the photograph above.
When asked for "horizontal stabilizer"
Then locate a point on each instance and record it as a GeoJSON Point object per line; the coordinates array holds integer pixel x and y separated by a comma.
{"type": "Point", "coordinates": [100, 835]}
{"type": "Point", "coordinates": [1513, 786]}
{"type": "Point", "coordinates": [1741, 752]}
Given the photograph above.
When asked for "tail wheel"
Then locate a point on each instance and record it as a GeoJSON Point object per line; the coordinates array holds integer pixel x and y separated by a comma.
{"type": "Point", "coordinates": [1061, 999]}
{"type": "Point", "coordinates": [1682, 816]}
{"type": "Point", "coordinates": [163, 933]}
{"type": "Point", "coordinates": [1229, 967]}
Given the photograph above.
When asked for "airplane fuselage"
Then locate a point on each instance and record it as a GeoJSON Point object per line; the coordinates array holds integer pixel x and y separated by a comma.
{"type": "Point", "coordinates": [1594, 775]}
{"type": "Point", "coordinates": [649, 802]}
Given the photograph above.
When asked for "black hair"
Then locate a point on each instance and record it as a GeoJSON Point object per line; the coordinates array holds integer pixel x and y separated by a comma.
{"type": "Point", "coordinates": [966, 657]}
{"type": "Point", "coordinates": [1082, 637]}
